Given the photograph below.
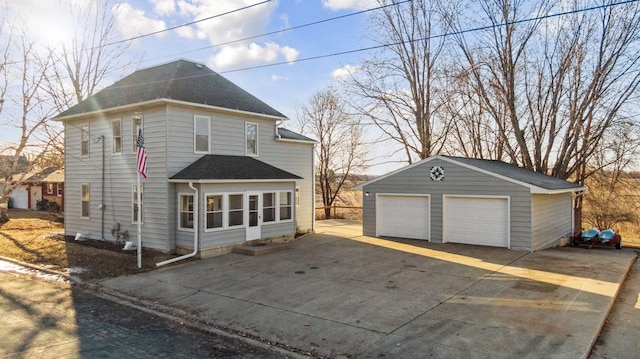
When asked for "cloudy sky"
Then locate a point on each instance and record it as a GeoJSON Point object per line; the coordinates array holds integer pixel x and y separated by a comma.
{"type": "Point", "coordinates": [282, 86]}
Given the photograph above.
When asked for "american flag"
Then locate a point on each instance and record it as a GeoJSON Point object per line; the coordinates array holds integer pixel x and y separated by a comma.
{"type": "Point", "coordinates": [142, 155]}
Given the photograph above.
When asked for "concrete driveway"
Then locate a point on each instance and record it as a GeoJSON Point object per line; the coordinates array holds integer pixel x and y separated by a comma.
{"type": "Point", "coordinates": [338, 293]}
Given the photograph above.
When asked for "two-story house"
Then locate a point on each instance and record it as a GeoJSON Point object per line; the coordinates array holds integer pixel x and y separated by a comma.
{"type": "Point", "coordinates": [220, 168]}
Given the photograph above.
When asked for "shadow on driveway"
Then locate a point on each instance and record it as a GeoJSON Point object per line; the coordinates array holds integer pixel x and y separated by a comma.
{"type": "Point", "coordinates": [337, 292]}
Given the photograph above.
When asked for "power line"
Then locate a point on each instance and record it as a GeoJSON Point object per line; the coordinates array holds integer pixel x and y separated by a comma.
{"type": "Point", "coordinates": [286, 29]}
{"type": "Point", "coordinates": [454, 33]}
{"type": "Point", "coordinates": [185, 24]}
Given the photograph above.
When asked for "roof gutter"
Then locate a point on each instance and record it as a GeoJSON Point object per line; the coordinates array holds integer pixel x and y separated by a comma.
{"type": "Point", "coordinates": [165, 100]}
{"type": "Point", "coordinates": [195, 232]}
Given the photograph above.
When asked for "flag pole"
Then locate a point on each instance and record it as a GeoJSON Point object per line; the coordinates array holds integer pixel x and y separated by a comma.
{"type": "Point", "coordinates": [138, 195]}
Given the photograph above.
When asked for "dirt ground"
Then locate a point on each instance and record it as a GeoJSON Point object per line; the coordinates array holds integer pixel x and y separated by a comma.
{"type": "Point", "coordinates": [36, 237]}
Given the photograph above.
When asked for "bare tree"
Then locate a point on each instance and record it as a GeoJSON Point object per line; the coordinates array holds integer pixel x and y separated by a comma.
{"type": "Point", "coordinates": [397, 89]}
{"type": "Point", "coordinates": [555, 89]}
{"type": "Point", "coordinates": [31, 116]}
{"type": "Point", "coordinates": [51, 80]}
{"type": "Point", "coordinates": [340, 151]}
{"type": "Point", "coordinates": [94, 53]}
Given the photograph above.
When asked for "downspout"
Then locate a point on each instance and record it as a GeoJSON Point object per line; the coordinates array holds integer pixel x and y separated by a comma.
{"type": "Point", "coordinates": [196, 229]}
{"type": "Point", "coordinates": [102, 199]}
{"type": "Point", "coordinates": [278, 123]}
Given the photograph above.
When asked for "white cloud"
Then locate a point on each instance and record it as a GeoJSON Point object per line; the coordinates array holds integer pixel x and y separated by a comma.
{"type": "Point", "coordinates": [187, 32]}
{"type": "Point", "coordinates": [239, 56]}
{"type": "Point", "coordinates": [344, 72]}
{"type": "Point", "coordinates": [132, 22]}
{"type": "Point", "coordinates": [235, 26]}
{"type": "Point", "coordinates": [164, 7]}
{"type": "Point", "coordinates": [276, 78]}
{"type": "Point", "coordinates": [336, 5]}
{"type": "Point", "coordinates": [290, 54]}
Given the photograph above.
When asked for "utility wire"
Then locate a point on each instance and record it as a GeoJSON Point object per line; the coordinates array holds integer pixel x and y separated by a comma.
{"type": "Point", "coordinates": [285, 30]}
{"type": "Point", "coordinates": [184, 25]}
{"type": "Point", "coordinates": [454, 33]}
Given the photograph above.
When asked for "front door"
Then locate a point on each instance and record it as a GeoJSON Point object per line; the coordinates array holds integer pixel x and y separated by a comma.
{"type": "Point", "coordinates": [255, 216]}
{"type": "Point", "coordinates": [36, 196]}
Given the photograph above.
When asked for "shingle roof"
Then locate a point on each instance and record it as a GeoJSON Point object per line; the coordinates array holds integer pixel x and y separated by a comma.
{"type": "Point", "coordinates": [290, 135]}
{"type": "Point", "coordinates": [518, 173]}
{"type": "Point", "coordinates": [221, 167]}
{"type": "Point", "coordinates": [180, 80]}
{"type": "Point", "coordinates": [537, 182]}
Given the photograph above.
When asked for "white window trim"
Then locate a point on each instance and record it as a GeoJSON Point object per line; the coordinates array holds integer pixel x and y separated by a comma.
{"type": "Point", "coordinates": [291, 205]}
{"type": "Point", "coordinates": [225, 214]}
{"type": "Point", "coordinates": [134, 133]}
{"type": "Point", "coordinates": [246, 150]}
{"type": "Point", "coordinates": [297, 196]}
{"type": "Point", "coordinates": [82, 201]}
{"type": "Point", "coordinates": [59, 190]}
{"type": "Point", "coordinates": [113, 137]}
{"type": "Point", "coordinates": [195, 119]}
{"type": "Point", "coordinates": [50, 185]}
{"type": "Point", "coordinates": [133, 198]}
{"type": "Point", "coordinates": [82, 127]}
{"type": "Point", "coordinates": [180, 194]}
{"type": "Point", "coordinates": [277, 208]}
{"type": "Point", "coordinates": [244, 210]}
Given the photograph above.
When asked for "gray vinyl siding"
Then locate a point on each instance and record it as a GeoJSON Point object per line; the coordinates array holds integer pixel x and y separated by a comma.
{"type": "Point", "coordinates": [222, 237]}
{"type": "Point", "coordinates": [551, 219]}
{"type": "Point", "coordinates": [228, 138]}
{"type": "Point", "coordinates": [119, 178]}
{"type": "Point", "coordinates": [168, 135]}
{"type": "Point", "coordinates": [458, 180]}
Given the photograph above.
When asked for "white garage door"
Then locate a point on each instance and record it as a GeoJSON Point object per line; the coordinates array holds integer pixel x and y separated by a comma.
{"type": "Point", "coordinates": [20, 197]}
{"type": "Point", "coordinates": [481, 221]}
{"type": "Point", "coordinates": [403, 216]}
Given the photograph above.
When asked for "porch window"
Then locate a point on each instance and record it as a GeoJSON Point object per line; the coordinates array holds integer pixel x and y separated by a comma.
{"type": "Point", "coordinates": [201, 131]}
{"type": "Point", "coordinates": [85, 195]}
{"type": "Point", "coordinates": [136, 122]}
{"type": "Point", "coordinates": [135, 206]}
{"type": "Point", "coordinates": [214, 211]}
{"type": "Point", "coordinates": [59, 190]}
{"type": "Point", "coordinates": [251, 138]}
{"type": "Point", "coordinates": [49, 188]}
{"type": "Point", "coordinates": [268, 207]}
{"type": "Point", "coordinates": [84, 140]}
{"type": "Point", "coordinates": [285, 206]}
{"type": "Point", "coordinates": [116, 132]}
{"type": "Point", "coordinates": [186, 211]}
{"type": "Point", "coordinates": [236, 210]}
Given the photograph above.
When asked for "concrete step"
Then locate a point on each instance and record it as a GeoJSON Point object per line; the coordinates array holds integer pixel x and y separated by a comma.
{"type": "Point", "coordinates": [258, 249]}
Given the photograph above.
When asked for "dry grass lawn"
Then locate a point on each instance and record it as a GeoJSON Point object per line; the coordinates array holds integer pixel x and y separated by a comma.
{"type": "Point", "coordinates": [27, 237]}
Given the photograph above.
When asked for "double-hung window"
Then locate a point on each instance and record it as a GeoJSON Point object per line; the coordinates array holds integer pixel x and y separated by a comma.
{"type": "Point", "coordinates": [268, 207]}
{"type": "Point", "coordinates": [215, 209]}
{"type": "Point", "coordinates": [236, 210]}
{"type": "Point", "coordinates": [50, 188]}
{"type": "Point", "coordinates": [285, 206]}
{"type": "Point", "coordinates": [60, 189]}
{"type": "Point", "coordinates": [136, 123]}
{"type": "Point", "coordinates": [251, 138]}
{"type": "Point", "coordinates": [201, 134]}
{"type": "Point", "coordinates": [138, 207]}
{"type": "Point", "coordinates": [85, 197]}
{"type": "Point", "coordinates": [84, 140]}
{"type": "Point", "coordinates": [186, 212]}
{"type": "Point", "coordinates": [116, 132]}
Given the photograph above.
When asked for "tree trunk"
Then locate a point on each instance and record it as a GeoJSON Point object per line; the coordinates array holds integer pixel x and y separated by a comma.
{"type": "Point", "coordinates": [327, 212]}
{"type": "Point", "coordinates": [4, 213]}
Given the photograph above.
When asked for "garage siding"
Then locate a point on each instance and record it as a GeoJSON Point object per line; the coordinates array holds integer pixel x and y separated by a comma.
{"type": "Point", "coordinates": [551, 219]}
{"type": "Point", "coordinates": [458, 180]}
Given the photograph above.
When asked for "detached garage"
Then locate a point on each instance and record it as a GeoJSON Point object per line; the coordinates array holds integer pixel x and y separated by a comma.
{"type": "Point", "coordinates": [470, 201]}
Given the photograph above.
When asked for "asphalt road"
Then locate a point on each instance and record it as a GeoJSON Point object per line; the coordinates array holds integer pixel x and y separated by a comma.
{"type": "Point", "coordinates": [49, 318]}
